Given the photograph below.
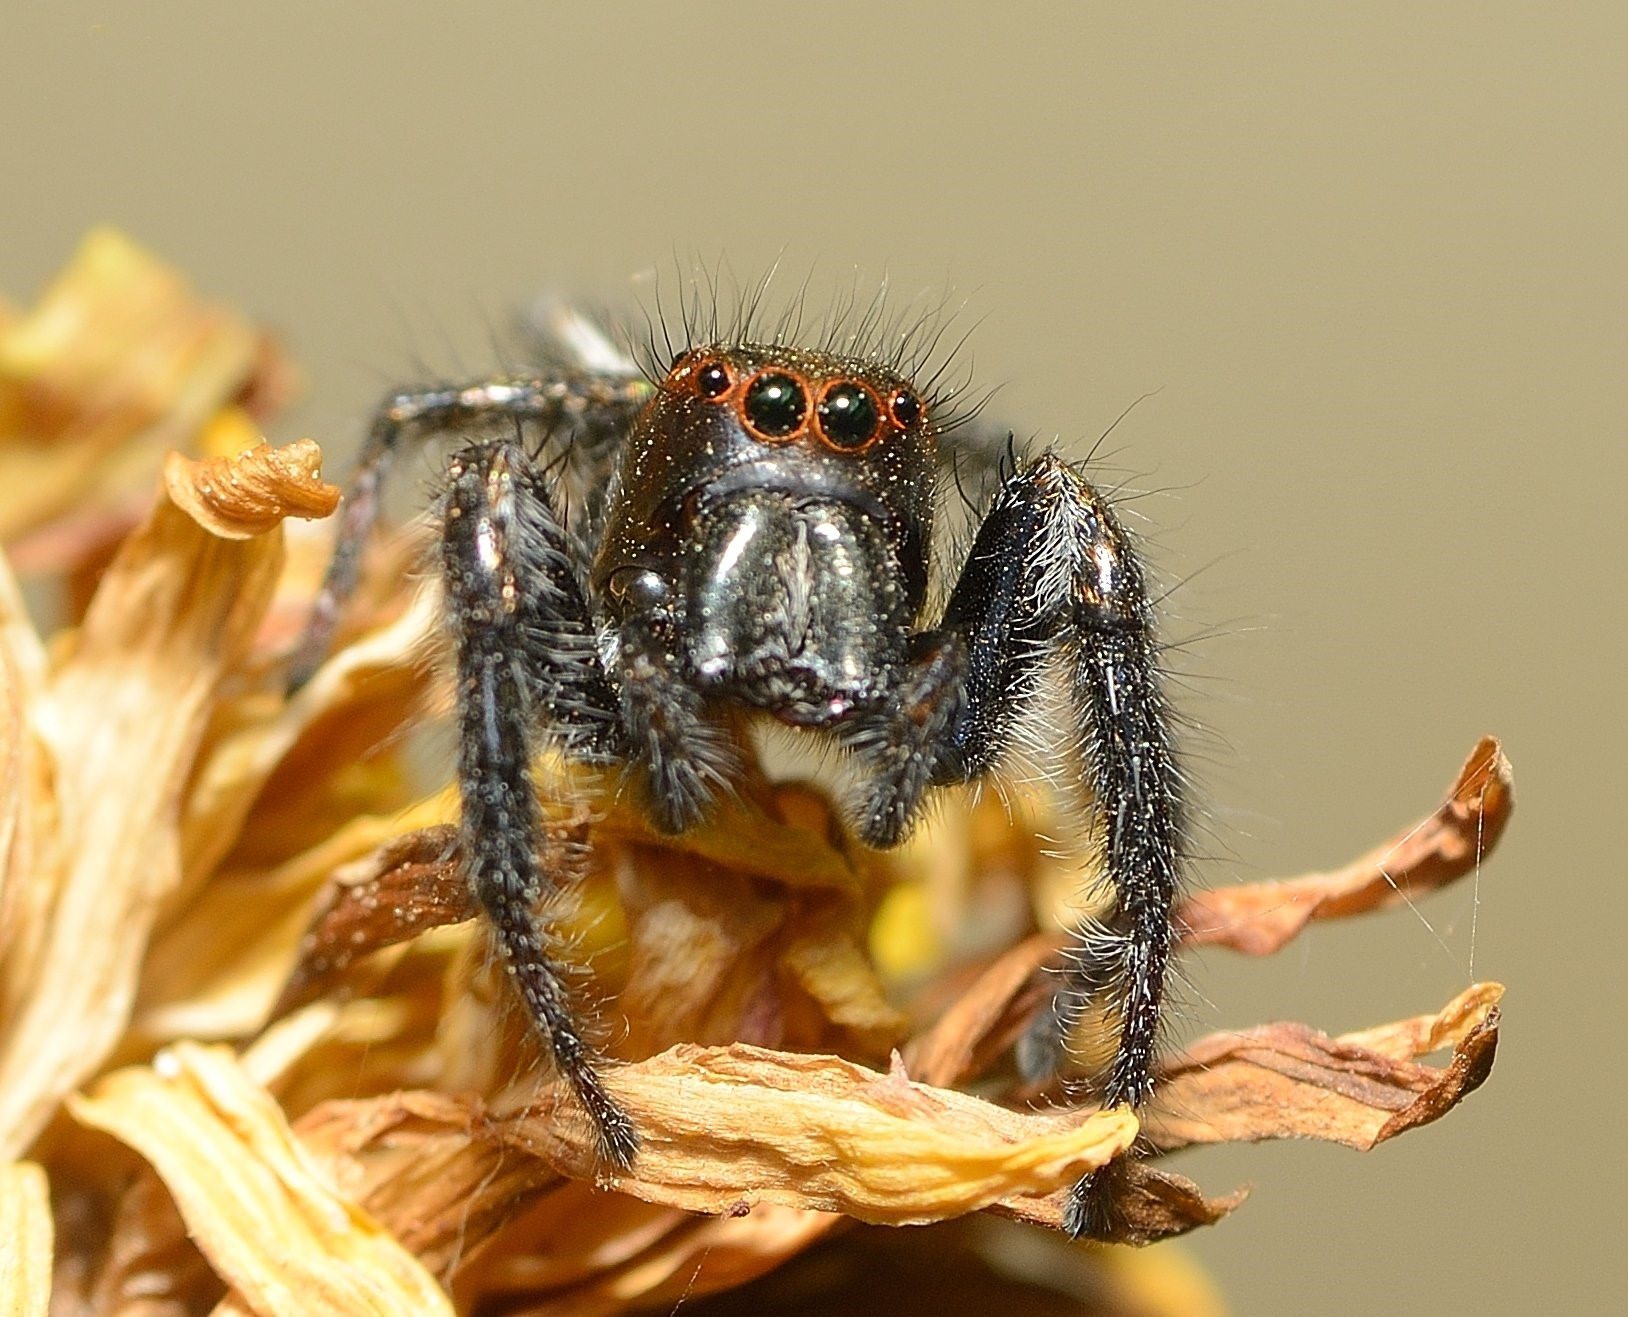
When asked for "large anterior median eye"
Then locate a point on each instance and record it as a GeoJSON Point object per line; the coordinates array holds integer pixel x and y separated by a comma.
{"type": "Point", "coordinates": [776, 404]}
{"type": "Point", "coordinates": [848, 415]}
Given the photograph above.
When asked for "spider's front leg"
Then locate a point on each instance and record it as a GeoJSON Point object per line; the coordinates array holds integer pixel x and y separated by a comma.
{"type": "Point", "coordinates": [597, 406]}
{"type": "Point", "coordinates": [1052, 568]}
{"type": "Point", "coordinates": [527, 667]}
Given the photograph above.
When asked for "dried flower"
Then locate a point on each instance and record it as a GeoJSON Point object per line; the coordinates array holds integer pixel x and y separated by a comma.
{"type": "Point", "coordinates": [251, 1034]}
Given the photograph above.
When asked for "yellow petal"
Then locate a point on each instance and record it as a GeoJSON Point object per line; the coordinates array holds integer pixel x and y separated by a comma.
{"type": "Point", "coordinates": [275, 1231]}
{"type": "Point", "coordinates": [121, 722]}
{"type": "Point", "coordinates": [118, 361]}
{"type": "Point", "coordinates": [727, 1127]}
{"type": "Point", "coordinates": [25, 1241]}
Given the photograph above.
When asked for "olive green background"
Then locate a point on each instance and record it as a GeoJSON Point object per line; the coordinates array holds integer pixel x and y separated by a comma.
{"type": "Point", "coordinates": [1371, 258]}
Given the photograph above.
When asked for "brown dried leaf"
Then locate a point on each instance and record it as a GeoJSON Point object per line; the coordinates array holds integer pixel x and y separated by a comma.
{"type": "Point", "coordinates": [25, 1240]}
{"type": "Point", "coordinates": [237, 497]}
{"type": "Point", "coordinates": [727, 1127]}
{"type": "Point", "coordinates": [1281, 1081]}
{"type": "Point", "coordinates": [1258, 918]}
{"type": "Point", "coordinates": [283, 1238]}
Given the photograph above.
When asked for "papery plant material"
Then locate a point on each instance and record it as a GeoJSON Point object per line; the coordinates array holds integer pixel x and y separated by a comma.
{"type": "Point", "coordinates": [25, 1240]}
{"type": "Point", "coordinates": [1254, 918]}
{"type": "Point", "coordinates": [176, 613]}
{"type": "Point", "coordinates": [243, 496]}
{"type": "Point", "coordinates": [253, 1202]}
{"type": "Point", "coordinates": [118, 361]}
{"type": "Point", "coordinates": [724, 1130]}
{"type": "Point", "coordinates": [1258, 918]}
{"type": "Point", "coordinates": [187, 853]}
{"type": "Point", "coordinates": [1287, 1081]}
{"type": "Point", "coordinates": [975, 1265]}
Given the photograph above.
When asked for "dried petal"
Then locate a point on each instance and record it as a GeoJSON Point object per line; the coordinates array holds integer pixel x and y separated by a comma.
{"type": "Point", "coordinates": [1283, 1081]}
{"type": "Point", "coordinates": [959, 1043]}
{"type": "Point", "coordinates": [1258, 918]}
{"type": "Point", "coordinates": [1149, 1204]}
{"type": "Point", "coordinates": [236, 497]}
{"type": "Point", "coordinates": [574, 1255]}
{"type": "Point", "coordinates": [118, 361]}
{"type": "Point", "coordinates": [285, 1240]}
{"type": "Point", "coordinates": [409, 884]}
{"type": "Point", "coordinates": [726, 1128]}
{"type": "Point", "coordinates": [122, 720]}
{"type": "Point", "coordinates": [25, 1240]}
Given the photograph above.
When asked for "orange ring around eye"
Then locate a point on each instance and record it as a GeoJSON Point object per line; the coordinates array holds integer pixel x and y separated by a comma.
{"type": "Point", "coordinates": [713, 380]}
{"type": "Point", "coordinates": [877, 414]}
{"type": "Point", "coordinates": [748, 392]}
{"type": "Point", "coordinates": [907, 400]}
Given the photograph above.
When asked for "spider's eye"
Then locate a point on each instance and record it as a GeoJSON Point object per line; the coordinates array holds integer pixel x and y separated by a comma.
{"type": "Point", "coordinates": [848, 416]}
{"type": "Point", "coordinates": [775, 404]}
{"type": "Point", "coordinates": [905, 408]}
{"type": "Point", "coordinates": [712, 380]}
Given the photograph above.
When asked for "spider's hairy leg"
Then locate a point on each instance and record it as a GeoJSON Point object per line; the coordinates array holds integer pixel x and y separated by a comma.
{"type": "Point", "coordinates": [1051, 565]}
{"type": "Point", "coordinates": [597, 406]}
{"type": "Point", "coordinates": [525, 668]}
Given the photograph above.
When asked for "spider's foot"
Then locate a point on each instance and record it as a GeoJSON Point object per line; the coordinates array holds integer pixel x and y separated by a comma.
{"type": "Point", "coordinates": [1095, 1205]}
{"type": "Point", "coordinates": [616, 1138]}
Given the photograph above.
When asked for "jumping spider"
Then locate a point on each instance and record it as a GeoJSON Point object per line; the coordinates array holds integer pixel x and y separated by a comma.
{"type": "Point", "coordinates": [751, 530]}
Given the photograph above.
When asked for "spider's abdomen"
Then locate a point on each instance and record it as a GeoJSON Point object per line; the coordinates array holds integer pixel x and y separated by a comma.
{"type": "Point", "coordinates": [794, 606]}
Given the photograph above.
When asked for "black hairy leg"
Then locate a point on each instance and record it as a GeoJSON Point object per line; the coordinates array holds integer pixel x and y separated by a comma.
{"type": "Point", "coordinates": [1052, 568]}
{"type": "Point", "coordinates": [526, 667]}
{"type": "Point", "coordinates": [593, 409]}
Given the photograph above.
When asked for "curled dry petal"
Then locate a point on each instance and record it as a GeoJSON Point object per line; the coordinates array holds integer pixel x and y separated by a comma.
{"type": "Point", "coordinates": [725, 1128]}
{"type": "Point", "coordinates": [120, 722]}
{"type": "Point", "coordinates": [25, 1240]}
{"type": "Point", "coordinates": [237, 497]}
{"type": "Point", "coordinates": [253, 1201]}
{"type": "Point", "coordinates": [1258, 918]}
{"type": "Point", "coordinates": [1150, 1205]}
{"type": "Point", "coordinates": [1283, 1081]}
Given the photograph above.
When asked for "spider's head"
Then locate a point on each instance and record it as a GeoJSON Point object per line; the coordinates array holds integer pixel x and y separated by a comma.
{"type": "Point", "coordinates": [801, 426]}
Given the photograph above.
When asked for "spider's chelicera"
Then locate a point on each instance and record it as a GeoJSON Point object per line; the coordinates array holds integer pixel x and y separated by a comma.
{"type": "Point", "coordinates": [752, 532]}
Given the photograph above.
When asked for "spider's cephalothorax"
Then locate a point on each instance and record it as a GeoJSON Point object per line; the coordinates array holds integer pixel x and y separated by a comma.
{"type": "Point", "coordinates": [755, 536]}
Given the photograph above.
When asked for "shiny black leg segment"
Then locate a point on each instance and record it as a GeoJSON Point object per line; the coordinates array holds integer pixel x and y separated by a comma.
{"type": "Point", "coordinates": [519, 625]}
{"type": "Point", "coordinates": [596, 408]}
{"type": "Point", "coordinates": [1051, 565]}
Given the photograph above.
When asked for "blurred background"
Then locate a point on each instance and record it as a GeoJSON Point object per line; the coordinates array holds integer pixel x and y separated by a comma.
{"type": "Point", "coordinates": [1369, 261]}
